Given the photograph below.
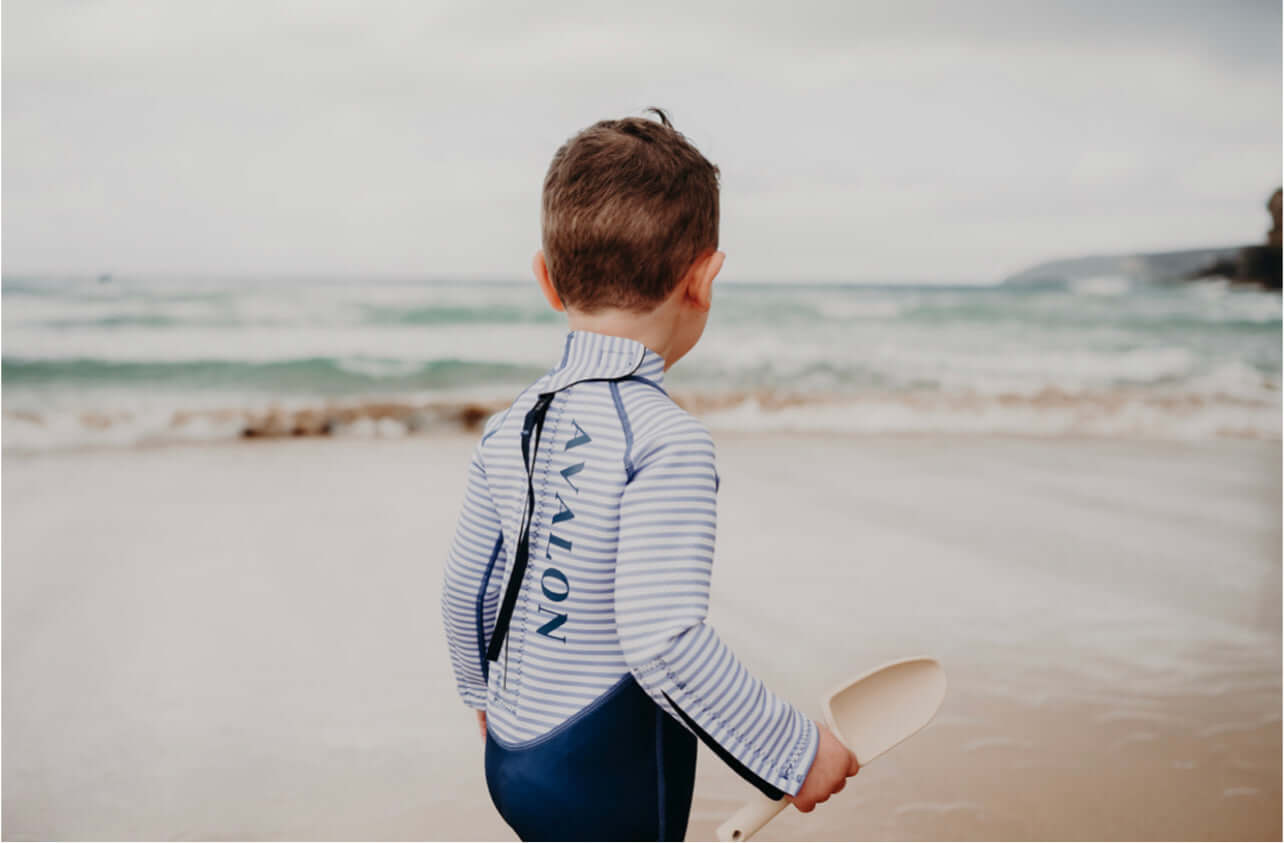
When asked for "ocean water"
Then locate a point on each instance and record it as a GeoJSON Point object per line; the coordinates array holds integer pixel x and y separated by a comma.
{"type": "Point", "coordinates": [131, 362]}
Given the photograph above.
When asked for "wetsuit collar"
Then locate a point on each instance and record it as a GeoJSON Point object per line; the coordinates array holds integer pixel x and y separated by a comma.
{"type": "Point", "coordinates": [592, 356]}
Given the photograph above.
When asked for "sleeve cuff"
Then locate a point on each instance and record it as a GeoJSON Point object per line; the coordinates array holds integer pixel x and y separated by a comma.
{"type": "Point", "coordinates": [802, 757]}
{"type": "Point", "coordinates": [474, 697]}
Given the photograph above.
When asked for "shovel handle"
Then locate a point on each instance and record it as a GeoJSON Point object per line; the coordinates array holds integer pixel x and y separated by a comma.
{"type": "Point", "coordinates": [750, 819]}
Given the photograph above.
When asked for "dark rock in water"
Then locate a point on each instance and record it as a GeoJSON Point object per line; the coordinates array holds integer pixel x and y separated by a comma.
{"type": "Point", "coordinates": [104, 278]}
{"type": "Point", "coordinates": [1258, 265]}
{"type": "Point", "coordinates": [1250, 265]}
{"type": "Point", "coordinates": [1254, 264]}
{"type": "Point", "coordinates": [1273, 205]}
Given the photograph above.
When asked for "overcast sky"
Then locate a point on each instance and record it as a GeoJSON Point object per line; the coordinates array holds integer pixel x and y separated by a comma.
{"type": "Point", "coordinates": [860, 141]}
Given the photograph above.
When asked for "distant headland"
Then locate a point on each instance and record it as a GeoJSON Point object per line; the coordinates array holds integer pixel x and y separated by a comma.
{"type": "Point", "coordinates": [1253, 264]}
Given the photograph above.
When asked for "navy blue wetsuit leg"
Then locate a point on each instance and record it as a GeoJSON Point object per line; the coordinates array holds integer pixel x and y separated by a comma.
{"type": "Point", "coordinates": [621, 769]}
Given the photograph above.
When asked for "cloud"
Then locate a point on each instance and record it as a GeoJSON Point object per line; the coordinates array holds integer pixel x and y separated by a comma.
{"type": "Point", "coordinates": [857, 141]}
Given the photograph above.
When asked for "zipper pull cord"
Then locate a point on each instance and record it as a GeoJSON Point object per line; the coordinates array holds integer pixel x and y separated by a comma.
{"type": "Point", "coordinates": [532, 428]}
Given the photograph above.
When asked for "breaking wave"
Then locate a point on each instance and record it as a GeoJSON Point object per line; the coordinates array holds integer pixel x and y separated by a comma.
{"type": "Point", "coordinates": [133, 362]}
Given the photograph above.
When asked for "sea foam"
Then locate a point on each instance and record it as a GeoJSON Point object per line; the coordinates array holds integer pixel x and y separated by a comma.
{"type": "Point", "coordinates": [133, 361]}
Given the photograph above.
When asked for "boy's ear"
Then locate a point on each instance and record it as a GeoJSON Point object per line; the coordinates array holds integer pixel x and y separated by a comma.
{"type": "Point", "coordinates": [540, 268]}
{"type": "Point", "coordinates": [700, 280]}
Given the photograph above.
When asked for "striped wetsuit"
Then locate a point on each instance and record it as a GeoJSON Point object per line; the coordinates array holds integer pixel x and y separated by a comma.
{"type": "Point", "coordinates": [608, 668]}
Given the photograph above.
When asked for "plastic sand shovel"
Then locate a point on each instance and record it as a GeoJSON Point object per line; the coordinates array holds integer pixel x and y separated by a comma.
{"type": "Point", "coordinates": [869, 715]}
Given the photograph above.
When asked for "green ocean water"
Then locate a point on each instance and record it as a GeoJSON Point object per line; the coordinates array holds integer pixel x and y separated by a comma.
{"type": "Point", "coordinates": [847, 358]}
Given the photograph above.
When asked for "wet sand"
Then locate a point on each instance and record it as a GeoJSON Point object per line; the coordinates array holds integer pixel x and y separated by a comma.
{"type": "Point", "coordinates": [243, 640]}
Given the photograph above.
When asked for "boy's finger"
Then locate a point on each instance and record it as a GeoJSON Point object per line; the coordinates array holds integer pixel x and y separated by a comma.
{"type": "Point", "coordinates": [853, 766]}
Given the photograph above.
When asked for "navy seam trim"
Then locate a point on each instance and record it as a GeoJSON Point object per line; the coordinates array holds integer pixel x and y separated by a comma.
{"type": "Point", "coordinates": [769, 790]}
{"type": "Point", "coordinates": [598, 378]}
{"type": "Point", "coordinates": [659, 772]}
{"type": "Point", "coordinates": [562, 367]}
{"type": "Point", "coordinates": [572, 720]}
{"type": "Point", "coordinates": [647, 381]}
{"type": "Point", "coordinates": [628, 430]}
{"type": "Point", "coordinates": [481, 601]}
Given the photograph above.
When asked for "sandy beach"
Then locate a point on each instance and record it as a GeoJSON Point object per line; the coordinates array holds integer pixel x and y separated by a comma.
{"type": "Point", "coordinates": [243, 640]}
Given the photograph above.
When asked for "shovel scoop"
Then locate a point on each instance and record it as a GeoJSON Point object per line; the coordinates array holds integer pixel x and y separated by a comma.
{"type": "Point", "coordinates": [869, 715]}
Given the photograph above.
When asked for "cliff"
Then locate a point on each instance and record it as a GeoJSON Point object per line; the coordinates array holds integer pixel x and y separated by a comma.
{"type": "Point", "coordinates": [1252, 264]}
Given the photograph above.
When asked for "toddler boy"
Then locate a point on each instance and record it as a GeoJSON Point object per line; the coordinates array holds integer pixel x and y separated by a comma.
{"type": "Point", "coordinates": [577, 584]}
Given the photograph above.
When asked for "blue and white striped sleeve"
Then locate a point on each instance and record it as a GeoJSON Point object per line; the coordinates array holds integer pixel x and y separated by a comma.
{"type": "Point", "coordinates": [468, 608]}
{"type": "Point", "coordinates": [663, 572]}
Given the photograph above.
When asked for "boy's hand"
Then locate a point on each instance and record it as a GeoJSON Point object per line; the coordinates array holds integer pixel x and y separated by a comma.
{"type": "Point", "coordinates": [481, 722]}
{"type": "Point", "coordinates": [829, 772]}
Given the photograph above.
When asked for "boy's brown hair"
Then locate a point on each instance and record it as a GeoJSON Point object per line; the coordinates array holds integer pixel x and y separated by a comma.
{"type": "Point", "coordinates": [629, 205]}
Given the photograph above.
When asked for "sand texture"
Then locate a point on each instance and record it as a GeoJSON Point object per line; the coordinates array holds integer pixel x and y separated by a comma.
{"type": "Point", "coordinates": [244, 640]}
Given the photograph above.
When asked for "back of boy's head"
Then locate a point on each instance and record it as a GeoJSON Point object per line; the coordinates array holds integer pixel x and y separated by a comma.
{"type": "Point", "coordinates": [629, 205]}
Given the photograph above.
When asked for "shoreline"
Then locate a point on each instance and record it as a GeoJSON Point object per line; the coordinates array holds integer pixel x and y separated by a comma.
{"type": "Point", "coordinates": [1133, 413]}
{"type": "Point", "coordinates": [450, 434]}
